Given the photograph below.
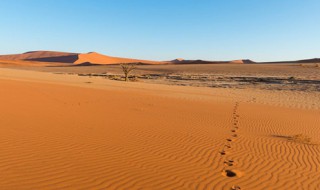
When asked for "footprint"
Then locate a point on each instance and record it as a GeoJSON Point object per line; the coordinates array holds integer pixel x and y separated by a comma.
{"type": "Point", "coordinates": [235, 187]}
{"type": "Point", "coordinates": [229, 163]}
{"type": "Point", "coordinates": [235, 135]}
{"type": "Point", "coordinates": [234, 131]}
{"type": "Point", "coordinates": [223, 153]}
{"type": "Point", "coordinates": [227, 145]}
{"type": "Point", "coordinates": [229, 140]}
{"type": "Point", "coordinates": [232, 173]}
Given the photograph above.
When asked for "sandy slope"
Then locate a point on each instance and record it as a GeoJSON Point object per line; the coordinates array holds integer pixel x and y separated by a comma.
{"type": "Point", "coordinates": [35, 55]}
{"type": "Point", "coordinates": [19, 63]}
{"type": "Point", "coordinates": [61, 132]}
{"type": "Point", "coordinates": [97, 58]}
{"type": "Point", "coordinates": [76, 58]}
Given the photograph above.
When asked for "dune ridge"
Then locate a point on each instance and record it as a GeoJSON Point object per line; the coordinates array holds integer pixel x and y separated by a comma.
{"type": "Point", "coordinates": [35, 55]}
{"type": "Point", "coordinates": [96, 58]}
{"type": "Point", "coordinates": [75, 58]}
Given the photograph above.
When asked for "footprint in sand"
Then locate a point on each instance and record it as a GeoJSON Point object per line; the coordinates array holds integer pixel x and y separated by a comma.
{"type": "Point", "coordinates": [223, 153]}
{"type": "Point", "coordinates": [232, 173]}
{"type": "Point", "coordinates": [228, 163]}
{"type": "Point", "coordinates": [235, 187]}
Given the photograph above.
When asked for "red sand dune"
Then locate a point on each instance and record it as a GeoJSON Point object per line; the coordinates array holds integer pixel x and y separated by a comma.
{"type": "Point", "coordinates": [14, 63]}
{"type": "Point", "coordinates": [35, 55]}
{"type": "Point", "coordinates": [76, 58]}
{"type": "Point", "coordinates": [96, 58]}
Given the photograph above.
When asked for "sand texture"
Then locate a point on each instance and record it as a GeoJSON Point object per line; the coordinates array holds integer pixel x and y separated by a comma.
{"type": "Point", "coordinates": [73, 132]}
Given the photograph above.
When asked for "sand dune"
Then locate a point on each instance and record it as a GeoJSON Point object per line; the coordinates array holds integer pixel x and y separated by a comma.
{"type": "Point", "coordinates": [35, 55]}
{"type": "Point", "coordinates": [76, 58]}
{"type": "Point", "coordinates": [71, 132]}
{"type": "Point", "coordinates": [183, 61]}
{"type": "Point", "coordinates": [242, 61]}
{"type": "Point", "coordinates": [96, 58]}
{"type": "Point", "coordinates": [199, 61]}
{"type": "Point", "coordinates": [20, 63]}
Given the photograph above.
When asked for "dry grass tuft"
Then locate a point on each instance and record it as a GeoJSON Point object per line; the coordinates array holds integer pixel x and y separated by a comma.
{"type": "Point", "coordinates": [301, 138]}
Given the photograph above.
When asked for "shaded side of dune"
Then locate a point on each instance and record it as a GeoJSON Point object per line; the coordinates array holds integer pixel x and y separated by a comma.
{"type": "Point", "coordinates": [63, 59]}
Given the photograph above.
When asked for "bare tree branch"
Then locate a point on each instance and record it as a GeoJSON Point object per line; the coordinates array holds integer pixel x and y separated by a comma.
{"type": "Point", "coordinates": [127, 68]}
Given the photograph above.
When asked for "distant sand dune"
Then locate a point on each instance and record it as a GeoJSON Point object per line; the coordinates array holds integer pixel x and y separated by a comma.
{"type": "Point", "coordinates": [9, 63]}
{"type": "Point", "coordinates": [96, 58]}
{"type": "Point", "coordinates": [242, 61]}
{"type": "Point", "coordinates": [76, 58]}
{"type": "Point", "coordinates": [35, 55]}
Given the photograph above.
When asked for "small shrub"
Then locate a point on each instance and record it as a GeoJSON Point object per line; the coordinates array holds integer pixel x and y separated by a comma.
{"type": "Point", "coordinates": [300, 138]}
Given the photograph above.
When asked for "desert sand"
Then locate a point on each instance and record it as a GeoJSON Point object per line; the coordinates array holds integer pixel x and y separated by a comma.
{"type": "Point", "coordinates": [74, 58]}
{"type": "Point", "coordinates": [78, 132]}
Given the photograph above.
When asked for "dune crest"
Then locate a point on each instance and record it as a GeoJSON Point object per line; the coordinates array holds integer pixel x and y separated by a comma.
{"type": "Point", "coordinates": [97, 58]}
{"type": "Point", "coordinates": [75, 58]}
{"type": "Point", "coordinates": [242, 61]}
{"type": "Point", "coordinates": [35, 55]}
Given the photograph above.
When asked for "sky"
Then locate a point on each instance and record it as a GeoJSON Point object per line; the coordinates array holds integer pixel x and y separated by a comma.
{"type": "Point", "coordinates": [261, 30]}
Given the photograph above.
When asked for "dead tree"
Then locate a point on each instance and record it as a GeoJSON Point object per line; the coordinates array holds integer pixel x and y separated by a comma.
{"type": "Point", "coordinates": [127, 68]}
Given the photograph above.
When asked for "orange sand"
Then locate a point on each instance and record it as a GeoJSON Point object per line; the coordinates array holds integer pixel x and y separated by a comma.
{"type": "Point", "coordinates": [62, 132]}
{"type": "Point", "coordinates": [76, 58]}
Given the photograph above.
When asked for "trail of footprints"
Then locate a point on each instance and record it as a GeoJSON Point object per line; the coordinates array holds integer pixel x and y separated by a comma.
{"type": "Point", "coordinates": [228, 164]}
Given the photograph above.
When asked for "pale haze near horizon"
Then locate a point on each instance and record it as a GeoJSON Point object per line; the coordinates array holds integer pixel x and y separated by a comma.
{"type": "Point", "coordinates": [163, 30]}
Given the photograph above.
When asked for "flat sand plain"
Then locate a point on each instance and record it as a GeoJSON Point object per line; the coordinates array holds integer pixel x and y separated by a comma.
{"type": "Point", "coordinates": [78, 132]}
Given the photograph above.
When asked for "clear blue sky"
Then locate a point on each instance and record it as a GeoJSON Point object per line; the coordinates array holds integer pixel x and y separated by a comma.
{"type": "Point", "coordinates": [261, 30]}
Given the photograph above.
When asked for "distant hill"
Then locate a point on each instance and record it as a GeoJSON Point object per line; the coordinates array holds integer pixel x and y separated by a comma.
{"type": "Point", "coordinates": [182, 61]}
{"type": "Point", "coordinates": [93, 58]}
{"type": "Point", "coordinates": [31, 63]}
{"type": "Point", "coordinates": [242, 61]}
{"type": "Point", "coordinates": [75, 58]}
{"type": "Point", "coordinates": [314, 60]}
{"type": "Point", "coordinates": [34, 55]}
